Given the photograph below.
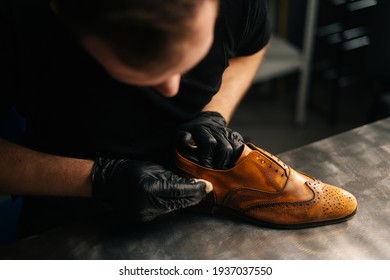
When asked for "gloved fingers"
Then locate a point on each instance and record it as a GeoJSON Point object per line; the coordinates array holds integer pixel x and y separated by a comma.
{"type": "Point", "coordinates": [184, 140]}
{"type": "Point", "coordinates": [236, 139]}
{"type": "Point", "coordinates": [184, 201]}
{"type": "Point", "coordinates": [237, 142]}
{"type": "Point", "coordinates": [228, 150]}
{"type": "Point", "coordinates": [176, 187]}
{"type": "Point", "coordinates": [206, 143]}
{"type": "Point", "coordinates": [186, 146]}
{"type": "Point", "coordinates": [222, 154]}
{"type": "Point", "coordinates": [168, 196]}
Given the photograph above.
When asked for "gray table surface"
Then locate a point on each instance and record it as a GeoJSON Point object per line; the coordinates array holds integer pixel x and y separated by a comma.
{"type": "Point", "coordinates": [357, 160]}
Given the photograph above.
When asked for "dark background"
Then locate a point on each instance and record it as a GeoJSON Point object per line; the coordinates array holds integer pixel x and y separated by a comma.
{"type": "Point", "coordinates": [348, 86]}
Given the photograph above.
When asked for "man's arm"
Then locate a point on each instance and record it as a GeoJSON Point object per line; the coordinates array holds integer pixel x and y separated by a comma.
{"type": "Point", "coordinates": [236, 80]}
{"type": "Point", "coordinates": [218, 146]}
{"type": "Point", "coordinates": [22, 170]}
{"type": "Point", "coordinates": [140, 189]}
{"type": "Point", "coordinates": [27, 172]}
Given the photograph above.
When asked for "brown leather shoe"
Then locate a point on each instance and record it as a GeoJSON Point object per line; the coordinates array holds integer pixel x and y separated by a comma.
{"type": "Point", "coordinates": [266, 191]}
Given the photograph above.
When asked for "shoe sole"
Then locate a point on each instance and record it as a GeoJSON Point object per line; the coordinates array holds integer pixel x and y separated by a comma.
{"type": "Point", "coordinates": [224, 211]}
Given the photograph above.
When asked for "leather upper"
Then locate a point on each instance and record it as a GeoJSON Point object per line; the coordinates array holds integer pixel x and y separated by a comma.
{"type": "Point", "coordinates": [262, 187]}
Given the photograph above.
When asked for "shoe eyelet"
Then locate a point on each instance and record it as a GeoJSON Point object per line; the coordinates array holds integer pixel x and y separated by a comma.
{"type": "Point", "coordinates": [263, 161]}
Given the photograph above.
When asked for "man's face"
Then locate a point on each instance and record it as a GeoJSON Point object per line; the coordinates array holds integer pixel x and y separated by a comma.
{"type": "Point", "coordinates": [192, 50]}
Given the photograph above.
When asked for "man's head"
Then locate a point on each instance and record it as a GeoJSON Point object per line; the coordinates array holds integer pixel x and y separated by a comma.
{"type": "Point", "coordinates": [143, 42]}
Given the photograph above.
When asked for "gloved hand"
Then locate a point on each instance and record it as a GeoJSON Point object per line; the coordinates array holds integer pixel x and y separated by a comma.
{"type": "Point", "coordinates": [207, 140]}
{"type": "Point", "coordinates": [142, 189]}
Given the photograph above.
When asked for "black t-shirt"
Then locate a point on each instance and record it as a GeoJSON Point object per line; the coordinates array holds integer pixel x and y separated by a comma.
{"type": "Point", "coordinates": [74, 108]}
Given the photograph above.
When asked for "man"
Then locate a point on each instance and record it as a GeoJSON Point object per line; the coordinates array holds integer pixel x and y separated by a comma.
{"type": "Point", "coordinates": [109, 90]}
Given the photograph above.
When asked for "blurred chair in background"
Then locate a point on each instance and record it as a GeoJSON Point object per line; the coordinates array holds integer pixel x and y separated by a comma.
{"type": "Point", "coordinates": [379, 59]}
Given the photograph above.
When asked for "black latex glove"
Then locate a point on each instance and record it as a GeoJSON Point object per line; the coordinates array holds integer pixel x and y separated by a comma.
{"type": "Point", "coordinates": [207, 140]}
{"type": "Point", "coordinates": [142, 189]}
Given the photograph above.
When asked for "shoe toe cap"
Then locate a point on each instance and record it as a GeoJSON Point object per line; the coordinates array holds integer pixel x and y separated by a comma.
{"type": "Point", "coordinates": [336, 203]}
{"type": "Point", "coordinates": [330, 204]}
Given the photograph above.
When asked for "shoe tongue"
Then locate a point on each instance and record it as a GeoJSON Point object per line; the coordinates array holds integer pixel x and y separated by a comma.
{"type": "Point", "coordinates": [245, 152]}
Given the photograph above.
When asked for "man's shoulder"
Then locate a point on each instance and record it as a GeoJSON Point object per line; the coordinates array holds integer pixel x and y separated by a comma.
{"type": "Point", "coordinates": [246, 25]}
{"type": "Point", "coordinates": [238, 12]}
{"type": "Point", "coordinates": [237, 6]}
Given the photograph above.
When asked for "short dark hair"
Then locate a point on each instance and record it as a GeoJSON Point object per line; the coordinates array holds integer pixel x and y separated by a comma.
{"type": "Point", "coordinates": [140, 32]}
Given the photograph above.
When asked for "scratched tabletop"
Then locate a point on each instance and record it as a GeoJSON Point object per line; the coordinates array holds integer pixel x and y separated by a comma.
{"type": "Point", "coordinates": [357, 160]}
